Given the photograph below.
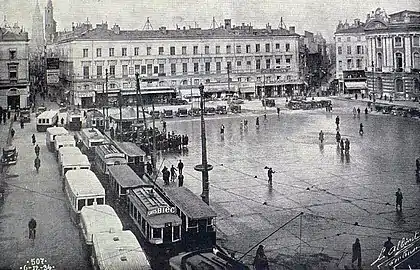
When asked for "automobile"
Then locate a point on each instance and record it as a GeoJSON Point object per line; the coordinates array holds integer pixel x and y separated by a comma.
{"type": "Point", "coordinates": [155, 114]}
{"type": "Point", "coordinates": [269, 102]}
{"type": "Point", "coordinates": [235, 108]}
{"type": "Point", "coordinates": [194, 112]}
{"type": "Point", "coordinates": [25, 115]}
{"type": "Point", "coordinates": [210, 111]}
{"type": "Point", "coordinates": [221, 109]}
{"type": "Point", "coordinates": [168, 114]}
{"type": "Point", "coordinates": [182, 112]}
{"type": "Point", "coordinates": [40, 110]}
{"type": "Point", "coordinates": [236, 100]}
{"type": "Point", "coordinates": [178, 101]}
{"type": "Point", "coordinates": [9, 156]}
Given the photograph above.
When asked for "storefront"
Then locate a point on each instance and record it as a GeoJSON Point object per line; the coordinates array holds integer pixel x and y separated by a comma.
{"type": "Point", "coordinates": [84, 99]}
{"type": "Point", "coordinates": [14, 97]}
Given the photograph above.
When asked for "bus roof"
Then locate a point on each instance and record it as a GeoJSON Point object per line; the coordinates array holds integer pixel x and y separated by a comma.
{"type": "Point", "coordinates": [57, 131]}
{"type": "Point", "coordinates": [47, 114]}
{"type": "Point", "coordinates": [125, 176]}
{"type": "Point", "coordinates": [84, 183]}
{"type": "Point", "coordinates": [69, 150]}
{"type": "Point", "coordinates": [119, 250]}
{"type": "Point", "coordinates": [92, 133]}
{"type": "Point", "coordinates": [100, 218]}
{"type": "Point", "coordinates": [74, 159]}
{"type": "Point", "coordinates": [64, 138]}
{"type": "Point", "coordinates": [130, 149]}
{"type": "Point", "coordinates": [189, 203]}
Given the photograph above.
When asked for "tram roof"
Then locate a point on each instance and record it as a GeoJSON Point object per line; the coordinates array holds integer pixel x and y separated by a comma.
{"type": "Point", "coordinates": [100, 218]}
{"type": "Point", "coordinates": [75, 159]}
{"type": "Point", "coordinates": [109, 151]}
{"type": "Point", "coordinates": [189, 203]}
{"type": "Point", "coordinates": [92, 133]}
{"type": "Point", "coordinates": [84, 183]}
{"type": "Point", "coordinates": [47, 114]}
{"type": "Point", "coordinates": [119, 250]}
{"type": "Point", "coordinates": [57, 131]}
{"type": "Point", "coordinates": [130, 149]}
{"type": "Point", "coordinates": [125, 176]}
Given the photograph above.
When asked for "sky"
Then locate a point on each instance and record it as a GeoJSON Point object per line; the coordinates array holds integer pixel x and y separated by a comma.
{"type": "Point", "coordinates": [311, 15]}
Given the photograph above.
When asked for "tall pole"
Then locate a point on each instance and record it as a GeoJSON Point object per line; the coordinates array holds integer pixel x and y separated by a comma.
{"type": "Point", "coordinates": [120, 105]}
{"type": "Point", "coordinates": [228, 73]}
{"type": "Point", "coordinates": [154, 139]}
{"type": "Point", "coordinates": [107, 100]}
{"type": "Point", "coordinates": [138, 95]}
{"type": "Point", "coordinates": [265, 103]}
{"type": "Point", "coordinates": [373, 82]}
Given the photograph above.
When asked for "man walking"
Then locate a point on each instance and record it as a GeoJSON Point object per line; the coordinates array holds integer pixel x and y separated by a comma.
{"type": "Point", "coordinates": [173, 173]}
{"type": "Point", "coordinates": [357, 254]}
{"type": "Point", "coordinates": [180, 166]}
{"type": "Point", "coordinates": [337, 122]}
{"type": "Point", "coordinates": [33, 139]}
{"type": "Point", "coordinates": [149, 168]}
{"type": "Point", "coordinates": [37, 150]}
{"type": "Point", "coordinates": [388, 246]}
{"type": "Point", "coordinates": [180, 180]}
{"type": "Point", "coordinates": [399, 198]}
{"type": "Point", "coordinates": [37, 164]}
{"type": "Point", "coordinates": [270, 176]}
{"type": "Point", "coordinates": [32, 228]}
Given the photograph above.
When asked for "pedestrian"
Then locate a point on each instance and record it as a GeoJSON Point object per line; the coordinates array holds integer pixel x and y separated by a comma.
{"type": "Point", "coordinates": [366, 110]}
{"type": "Point", "coordinates": [180, 167]}
{"type": "Point", "coordinates": [37, 150]}
{"type": "Point", "coordinates": [32, 228]}
{"type": "Point", "coordinates": [357, 254]}
{"type": "Point", "coordinates": [265, 117]}
{"type": "Point", "coordinates": [173, 173]}
{"type": "Point", "coordinates": [278, 111]}
{"type": "Point", "coordinates": [37, 164]}
{"type": "Point", "coordinates": [257, 122]}
{"type": "Point", "coordinates": [399, 198]}
{"type": "Point", "coordinates": [260, 260]}
{"type": "Point", "coordinates": [337, 122]}
{"type": "Point", "coordinates": [338, 137]}
{"type": "Point", "coordinates": [164, 126]}
{"type": "Point", "coordinates": [222, 129]}
{"type": "Point", "coordinates": [347, 146]}
{"type": "Point", "coordinates": [14, 118]}
{"type": "Point", "coordinates": [149, 168]}
{"type": "Point", "coordinates": [417, 165]}
{"type": "Point", "coordinates": [33, 139]}
{"type": "Point", "coordinates": [354, 111]}
{"type": "Point", "coordinates": [355, 96]}
{"type": "Point", "coordinates": [12, 132]}
{"type": "Point", "coordinates": [270, 176]}
{"type": "Point", "coordinates": [62, 121]}
{"type": "Point", "coordinates": [245, 123]}
{"type": "Point", "coordinates": [361, 129]}
{"type": "Point", "coordinates": [165, 175]}
{"type": "Point", "coordinates": [22, 125]}
{"type": "Point", "coordinates": [358, 111]}
{"type": "Point", "coordinates": [388, 246]}
{"type": "Point", "coordinates": [180, 180]}
{"type": "Point", "coordinates": [321, 136]}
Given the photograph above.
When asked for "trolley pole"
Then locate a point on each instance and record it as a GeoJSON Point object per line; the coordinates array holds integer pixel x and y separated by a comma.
{"type": "Point", "coordinates": [120, 105]}
{"type": "Point", "coordinates": [106, 122]}
{"type": "Point", "coordinates": [154, 140]}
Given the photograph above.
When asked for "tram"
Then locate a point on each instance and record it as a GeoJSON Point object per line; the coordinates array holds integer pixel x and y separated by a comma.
{"type": "Point", "coordinates": [50, 134]}
{"type": "Point", "coordinates": [90, 138]}
{"type": "Point", "coordinates": [118, 250]}
{"type": "Point", "coordinates": [82, 188]}
{"type": "Point", "coordinates": [134, 155]}
{"type": "Point", "coordinates": [74, 120]}
{"type": "Point", "coordinates": [122, 178]}
{"type": "Point", "coordinates": [67, 150]}
{"type": "Point", "coordinates": [108, 155]}
{"type": "Point", "coordinates": [198, 219]}
{"type": "Point", "coordinates": [95, 119]}
{"type": "Point", "coordinates": [62, 141]}
{"type": "Point", "coordinates": [46, 120]}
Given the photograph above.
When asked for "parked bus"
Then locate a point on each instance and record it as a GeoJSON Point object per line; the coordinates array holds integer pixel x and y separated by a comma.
{"type": "Point", "coordinates": [62, 141]}
{"type": "Point", "coordinates": [134, 155]}
{"type": "Point", "coordinates": [121, 179]}
{"type": "Point", "coordinates": [83, 189]}
{"type": "Point", "coordinates": [119, 250]}
{"type": "Point", "coordinates": [108, 155]}
{"type": "Point", "coordinates": [50, 134]}
{"type": "Point", "coordinates": [45, 120]}
{"type": "Point", "coordinates": [67, 150]}
{"type": "Point", "coordinates": [73, 162]}
{"type": "Point", "coordinates": [74, 120]}
{"type": "Point", "coordinates": [95, 119]}
{"type": "Point", "coordinates": [90, 138]}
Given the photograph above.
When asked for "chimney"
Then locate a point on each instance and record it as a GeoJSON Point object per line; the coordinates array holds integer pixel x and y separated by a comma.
{"type": "Point", "coordinates": [72, 26]}
{"type": "Point", "coordinates": [268, 27]}
{"type": "Point", "coordinates": [292, 29]}
{"type": "Point", "coordinates": [228, 24]}
{"type": "Point", "coordinates": [116, 29]}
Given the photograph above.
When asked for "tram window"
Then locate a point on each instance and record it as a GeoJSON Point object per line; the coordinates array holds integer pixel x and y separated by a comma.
{"type": "Point", "coordinates": [130, 160]}
{"type": "Point", "coordinates": [139, 218]}
{"type": "Point", "coordinates": [178, 212]}
{"type": "Point", "coordinates": [184, 220]}
{"type": "Point", "coordinates": [143, 224]}
{"type": "Point", "coordinates": [136, 214]}
{"type": "Point", "coordinates": [156, 232]}
{"type": "Point", "coordinates": [80, 204]}
{"type": "Point", "coordinates": [210, 226]}
{"type": "Point", "coordinates": [192, 225]}
{"type": "Point", "coordinates": [176, 235]}
{"type": "Point", "coordinates": [90, 201]}
{"type": "Point", "coordinates": [100, 200]}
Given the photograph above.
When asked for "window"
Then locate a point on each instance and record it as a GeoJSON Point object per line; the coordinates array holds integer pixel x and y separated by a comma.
{"type": "Point", "coordinates": [207, 67]}
{"type": "Point", "coordinates": [148, 50]}
{"type": "Point", "coordinates": [258, 64]}
{"type": "Point", "coordinates": [248, 63]}
{"type": "Point", "coordinates": [176, 235]}
{"type": "Point", "coordinates": [155, 69]}
{"type": "Point", "coordinates": [143, 224]}
{"type": "Point", "coordinates": [195, 49]}
{"type": "Point", "coordinates": [156, 232]}
{"type": "Point", "coordinates": [348, 39]}
{"type": "Point", "coordinates": [348, 49]}
{"type": "Point", "coordinates": [172, 50]}
{"type": "Point", "coordinates": [398, 42]}
{"type": "Point", "coordinates": [339, 50]}
{"type": "Point", "coordinates": [100, 200]}
{"type": "Point", "coordinates": [267, 47]}
{"type": "Point", "coordinates": [98, 52]}
{"type": "Point", "coordinates": [131, 70]}
{"type": "Point", "coordinates": [112, 71]}
{"type": "Point", "coordinates": [267, 63]}
{"type": "Point", "coordinates": [359, 63]}
{"type": "Point", "coordinates": [287, 47]}
{"type": "Point", "coordinates": [416, 41]}
{"type": "Point", "coordinates": [206, 49]}
{"type": "Point", "coordinates": [137, 69]}
{"type": "Point", "coordinates": [238, 63]}
{"type": "Point", "coordinates": [143, 69]}
{"type": "Point", "coordinates": [288, 60]}
{"type": "Point", "coordinates": [229, 65]}
{"type": "Point", "coordinates": [160, 50]}
{"type": "Point", "coordinates": [398, 62]}
{"type": "Point", "coordinates": [349, 64]}
{"type": "Point", "coordinates": [99, 71]}
{"type": "Point", "coordinates": [192, 225]}
{"type": "Point", "coordinates": [90, 201]}
{"type": "Point", "coordinates": [13, 69]}
{"type": "Point", "coordinates": [80, 204]}
{"type": "Point", "coordinates": [111, 51]}
{"type": "Point", "coordinates": [277, 46]}
{"type": "Point", "coordinates": [85, 52]}
{"type": "Point", "coordinates": [339, 39]}
{"type": "Point", "coordinates": [161, 68]}
{"type": "Point", "coordinates": [85, 72]}
{"type": "Point", "coordinates": [112, 85]}
{"type": "Point", "coordinates": [238, 49]}
{"type": "Point", "coordinates": [173, 69]}
{"type": "Point", "coordinates": [359, 49]}
{"type": "Point", "coordinates": [124, 52]}
{"type": "Point", "coordinates": [228, 49]}
{"type": "Point", "coordinates": [248, 48]}
{"type": "Point", "coordinates": [184, 68]}
{"type": "Point", "coordinates": [416, 60]}
{"type": "Point", "coordinates": [217, 49]}
{"type": "Point", "coordinates": [125, 71]}
{"type": "Point", "coordinates": [196, 68]}
{"type": "Point", "coordinates": [218, 67]}
{"type": "Point", "coordinates": [196, 81]}
{"type": "Point", "coordinates": [378, 42]}
{"type": "Point", "coordinates": [149, 69]}
{"type": "Point", "coordinates": [379, 62]}
{"type": "Point", "coordinates": [278, 61]}
{"type": "Point", "coordinates": [136, 51]}
{"type": "Point", "coordinates": [184, 50]}
{"type": "Point", "coordinates": [12, 54]}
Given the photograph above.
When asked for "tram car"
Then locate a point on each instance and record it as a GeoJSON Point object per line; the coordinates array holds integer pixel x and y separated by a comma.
{"type": "Point", "coordinates": [46, 120]}
{"type": "Point", "coordinates": [108, 155]}
{"type": "Point", "coordinates": [50, 135]}
{"type": "Point", "coordinates": [82, 188]}
{"type": "Point", "coordinates": [74, 120]}
{"type": "Point", "coordinates": [118, 250]}
{"type": "Point", "coordinates": [90, 138]}
{"type": "Point", "coordinates": [134, 155]}
{"type": "Point", "coordinates": [95, 119]}
{"type": "Point", "coordinates": [198, 219]}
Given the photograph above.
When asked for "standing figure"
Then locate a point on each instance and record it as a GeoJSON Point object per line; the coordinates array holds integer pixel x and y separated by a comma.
{"type": "Point", "coordinates": [165, 175]}
{"type": "Point", "coordinates": [347, 146]}
{"type": "Point", "coordinates": [361, 129]}
{"type": "Point", "coordinates": [358, 111]}
{"type": "Point", "coordinates": [180, 166]}
{"type": "Point", "coordinates": [22, 124]}
{"type": "Point", "coordinates": [12, 132]}
{"type": "Point", "coordinates": [338, 137]}
{"type": "Point", "coordinates": [260, 260]}
{"type": "Point", "coordinates": [62, 121]}
{"type": "Point", "coordinates": [366, 110]}
{"type": "Point", "coordinates": [357, 253]}
{"type": "Point", "coordinates": [32, 228]}
{"type": "Point", "coordinates": [354, 111]}
{"type": "Point", "coordinates": [399, 198]}
{"type": "Point", "coordinates": [222, 129]}
{"type": "Point", "coordinates": [37, 150]}
{"type": "Point", "coordinates": [270, 176]}
{"type": "Point", "coordinates": [245, 123]}
{"type": "Point", "coordinates": [265, 117]}
{"type": "Point", "coordinates": [257, 122]}
{"type": "Point", "coordinates": [180, 180]}
{"type": "Point", "coordinates": [37, 164]}
{"type": "Point", "coordinates": [321, 136]}
{"type": "Point", "coordinates": [337, 122]}
{"type": "Point", "coordinates": [149, 168]}
{"type": "Point", "coordinates": [388, 246]}
{"type": "Point", "coordinates": [278, 111]}
{"type": "Point", "coordinates": [164, 126]}
{"type": "Point", "coordinates": [173, 173]}
{"type": "Point", "coordinates": [33, 139]}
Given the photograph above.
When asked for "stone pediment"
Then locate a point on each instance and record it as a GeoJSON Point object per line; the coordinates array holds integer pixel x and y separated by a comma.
{"type": "Point", "coordinates": [376, 24]}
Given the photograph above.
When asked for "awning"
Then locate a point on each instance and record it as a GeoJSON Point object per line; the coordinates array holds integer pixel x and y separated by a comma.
{"type": "Point", "coordinates": [355, 85]}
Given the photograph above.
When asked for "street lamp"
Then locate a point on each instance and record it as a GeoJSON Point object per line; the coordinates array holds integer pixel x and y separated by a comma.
{"type": "Point", "coordinates": [204, 168]}
{"type": "Point", "coordinates": [373, 82]}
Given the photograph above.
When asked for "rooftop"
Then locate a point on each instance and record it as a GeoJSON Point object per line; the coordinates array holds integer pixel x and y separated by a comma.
{"type": "Point", "coordinates": [84, 183]}
{"type": "Point", "coordinates": [130, 149]}
{"type": "Point", "coordinates": [75, 159]}
{"type": "Point", "coordinates": [57, 131]}
{"type": "Point", "coordinates": [15, 33]}
{"type": "Point", "coordinates": [125, 176]}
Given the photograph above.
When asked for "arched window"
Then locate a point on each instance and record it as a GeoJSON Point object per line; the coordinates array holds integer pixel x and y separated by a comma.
{"type": "Point", "coordinates": [379, 62]}
{"type": "Point", "coordinates": [416, 60]}
{"type": "Point", "coordinates": [399, 85]}
{"type": "Point", "coordinates": [184, 82]}
{"type": "Point", "coordinates": [398, 62]}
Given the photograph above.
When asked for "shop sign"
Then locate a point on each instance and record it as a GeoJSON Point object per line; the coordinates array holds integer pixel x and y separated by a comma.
{"type": "Point", "coordinates": [161, 210]}
{"type": "Point", "coordinates": [53, 76]}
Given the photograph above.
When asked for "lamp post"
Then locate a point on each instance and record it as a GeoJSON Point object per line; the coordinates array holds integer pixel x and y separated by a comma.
{"type": "Point", "coordinates": [204, 168]}
{"type": "Point", "coordinates": [120, 106]}
{"type": "Point", "coordinates": [373, 82]}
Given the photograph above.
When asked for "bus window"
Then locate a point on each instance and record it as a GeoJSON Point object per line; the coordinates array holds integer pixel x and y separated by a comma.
{"type": "Point", "coordinates": [47, 121]}
{"type": "Point", "coordinates": [210, 226]}
{"type": "Point", "coordinates": [156, 233]}
{"type": "Point", "coordinates": [130, 160]}
{"type": "Point", "coordinates": [176, 233]}
{"type": "Point", "coordinates": [80, 204]}
{"type": "Point", "coordinates": [100, 200]}
{"type": "Point", "coordinates": [143, 224]}
{"type": "Point", "coordinates": [192, 225]}
{"type": "Point", "coordinates": [90, 201]}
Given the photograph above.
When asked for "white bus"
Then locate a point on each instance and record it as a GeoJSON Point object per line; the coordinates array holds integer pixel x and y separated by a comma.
{"type": "Point", "coordinates": [98, 219]}
{"type": "Point", "coordinates": [83, 189]}
{"type": "Point", "coordinates": [45, 120]}
{"type": "Point", "coordinates": [73, 162]}
{"type": "Point", "coordinates": [67, 150]}
{"type": "Point", "coordinates": [119, 250]}
{"type": "Point", "coordinates": [50, 136]}
{"type": "Point", "coordinates": [63, 140]}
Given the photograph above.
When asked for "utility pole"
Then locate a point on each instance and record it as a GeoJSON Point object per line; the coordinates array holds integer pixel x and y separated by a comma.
{"type": "Point", "coordinates": [373, 82]}
{"type": "Point", "coordinates": [138, 95]}
{"type": "Point", "coordinates": [120, 105]}
{"type": "Point", "coordinates": [107, 100]}
{"type": "Point", "coordinates": [265, 103]}
{"type": "Point", "coordinates": [154, 140]}
{"type": "Point", "coordinates": [228, 73]}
